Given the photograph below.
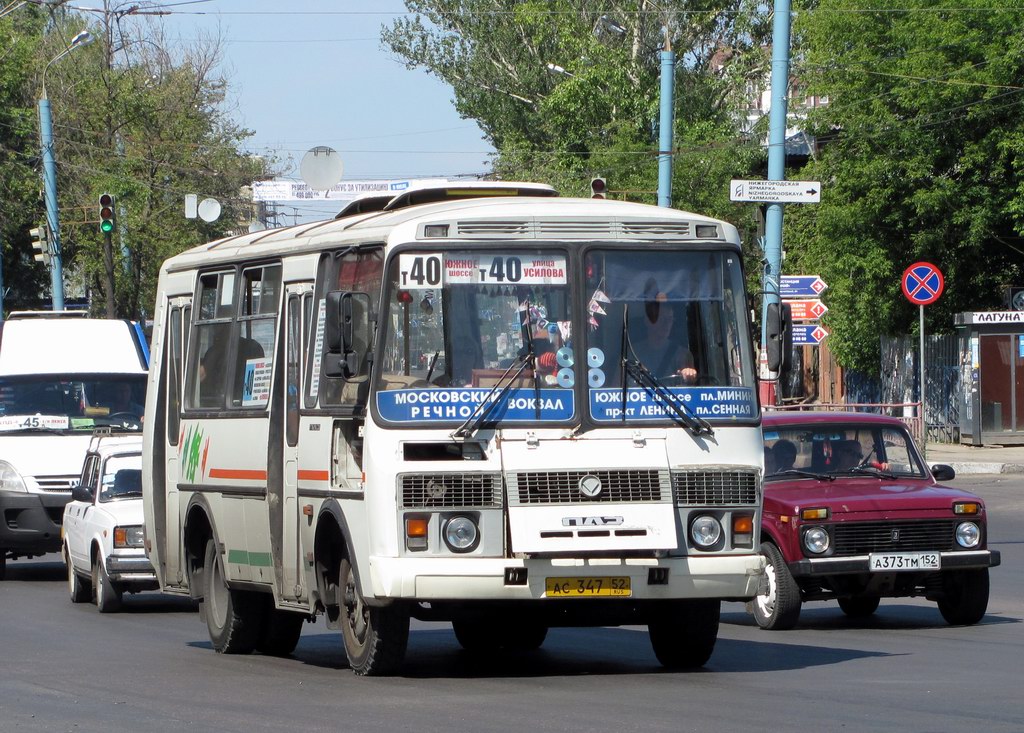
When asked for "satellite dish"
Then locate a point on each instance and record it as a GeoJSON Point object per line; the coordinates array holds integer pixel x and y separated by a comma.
{"type": "Point", "coordinates": [209, 210]}
{"type": "Point", "coordinates": [321, 168]}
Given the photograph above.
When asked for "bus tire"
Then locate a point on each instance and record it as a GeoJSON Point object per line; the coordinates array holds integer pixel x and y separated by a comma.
{"type": "Point", "coordinates": [683, 633]}
{"type": "Point", "coordinates": [374, 637]}
{"type": "Point", "coordinates": [106, 594]}
{"type": "Point", "coordinates": [281, 633]}
{"type": "Point", "coordinates": [481, 637]}
{"type": "Point", "coordinates": [234, 618]}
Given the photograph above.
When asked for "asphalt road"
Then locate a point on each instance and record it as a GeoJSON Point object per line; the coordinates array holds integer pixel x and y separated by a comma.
{"type": "Point", "coordinates": [67, 668]}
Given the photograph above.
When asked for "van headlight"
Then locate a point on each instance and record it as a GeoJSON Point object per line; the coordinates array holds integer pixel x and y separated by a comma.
{"type": "Point", "coordinates": [10, 479]}
{"type": "Point", "coordinates": [968, 534]}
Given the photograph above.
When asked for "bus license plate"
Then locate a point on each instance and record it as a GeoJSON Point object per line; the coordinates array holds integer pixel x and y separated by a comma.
{"type": "Point", "coordinates": [897, 561]}
{"type": "Point", "coordinates": [587, 587]}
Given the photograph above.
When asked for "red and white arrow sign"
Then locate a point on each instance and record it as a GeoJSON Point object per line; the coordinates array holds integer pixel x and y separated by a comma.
{"type": "Point", "coordinates": [806, 309]}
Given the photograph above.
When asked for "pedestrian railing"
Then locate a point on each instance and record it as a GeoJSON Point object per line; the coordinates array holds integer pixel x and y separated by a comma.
{"type": "Point", "coordinates": [907, 412]}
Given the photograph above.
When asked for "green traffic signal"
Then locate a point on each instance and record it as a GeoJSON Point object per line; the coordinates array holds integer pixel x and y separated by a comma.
{"type": "Point", "coordinates": [106, 213]}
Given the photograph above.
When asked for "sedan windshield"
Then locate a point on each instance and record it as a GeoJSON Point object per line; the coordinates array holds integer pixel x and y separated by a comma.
{"type": "Point", "coordinates": [79, 403]}
{"type": "Point", "coordinates": [836, 449]}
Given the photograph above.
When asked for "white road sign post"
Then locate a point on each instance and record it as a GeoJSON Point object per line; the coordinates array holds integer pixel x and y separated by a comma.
{"type": "Point", "coordinates": [775, 192]}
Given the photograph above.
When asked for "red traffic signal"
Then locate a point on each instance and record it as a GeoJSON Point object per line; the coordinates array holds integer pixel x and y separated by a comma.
{"type": "Point", "coordinates": [106, 213]}
{"type": "Point", "coordinates": [598, 188]}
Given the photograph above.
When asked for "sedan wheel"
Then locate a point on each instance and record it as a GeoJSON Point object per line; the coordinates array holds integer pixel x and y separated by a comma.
{"type": "Point", "coordinates": [106, 595]}
{"type": "Point", "coordinates": [78, 589]}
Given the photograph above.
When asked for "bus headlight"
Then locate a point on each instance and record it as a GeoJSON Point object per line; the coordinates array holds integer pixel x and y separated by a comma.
{"type": "Point", "coordinates": [968, 534]}
{"type": "Point", "coordinates": [816, 540]}
{"type": "Point", "coordinates": [10, 479]}
{"type": "Point", "coordinates": [461, 534]}
{"type": "Point", "coordinates": [705, 531]}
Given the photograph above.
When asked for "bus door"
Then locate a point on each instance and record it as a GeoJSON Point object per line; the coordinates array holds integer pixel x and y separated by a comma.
{"type": "Point", "coordinates": [178, 319]}
{"type": "Point", "coordinates": [298, 301]}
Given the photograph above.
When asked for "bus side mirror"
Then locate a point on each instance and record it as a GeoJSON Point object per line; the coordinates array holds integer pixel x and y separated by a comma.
{"type": "Point", "coordinates": [779, 336]}
{"type": "Point", "coordinates": [347, 334]}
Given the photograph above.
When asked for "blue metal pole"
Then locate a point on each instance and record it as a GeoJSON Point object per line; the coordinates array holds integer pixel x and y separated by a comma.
{"type": "Point", "coordinates": [776, 160]}
{"type": "Point", "coordinates": [50, 194]}
{"type": "Point", "coordinates": [667, 126]}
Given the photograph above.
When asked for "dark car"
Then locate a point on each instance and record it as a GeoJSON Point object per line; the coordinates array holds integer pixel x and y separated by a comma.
{"type": "Point", "coordinates": [853, 514]}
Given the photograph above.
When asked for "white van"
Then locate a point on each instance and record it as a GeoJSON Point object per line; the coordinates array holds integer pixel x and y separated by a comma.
{"type": "Point", "coordinates": [61, 376]}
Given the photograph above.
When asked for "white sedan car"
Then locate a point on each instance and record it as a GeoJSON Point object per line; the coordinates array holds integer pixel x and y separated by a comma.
{"type": "Point", "coordinates": [103, 533]}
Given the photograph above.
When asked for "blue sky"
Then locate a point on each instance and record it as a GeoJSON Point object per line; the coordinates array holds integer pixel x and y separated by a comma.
{"type": "Point", "coordinates": [313, 72]}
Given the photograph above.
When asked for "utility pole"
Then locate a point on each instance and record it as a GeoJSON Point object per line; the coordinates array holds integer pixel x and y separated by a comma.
{"type": "Point", "coordinates": [772, 244]}
{"type": "Point", "coordinates": [50, 194]}
{"type": "Point", "coordinates": [667, 122]}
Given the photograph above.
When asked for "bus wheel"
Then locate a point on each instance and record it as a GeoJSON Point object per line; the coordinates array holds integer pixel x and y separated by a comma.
{"type": "Point", "coordinates": [683, 634]}
{"type": "Point", "coordinates": [374, 637]}
{"type": "Point", "coordinates": [104, 592]}
{"type": "Point", "coordinates": [233, 618]}
{"type": "Point", "coordinates": [281, 633]}
{"type": "Point", "coordinates": [483, 637]}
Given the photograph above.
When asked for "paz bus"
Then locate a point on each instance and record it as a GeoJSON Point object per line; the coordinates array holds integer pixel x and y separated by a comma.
{"type": "Point", "coordinates": [449, 409]}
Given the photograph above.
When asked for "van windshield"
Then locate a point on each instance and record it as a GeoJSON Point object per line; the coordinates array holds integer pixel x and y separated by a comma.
{"type": "Point", "coordinates": [49, 403]}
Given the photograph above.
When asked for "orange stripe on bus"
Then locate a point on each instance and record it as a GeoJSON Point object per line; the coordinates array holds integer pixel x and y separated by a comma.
{"type": "Point", "coordinates": [238, 473]}
{"type": "Point", "coordinates": [309, 475]}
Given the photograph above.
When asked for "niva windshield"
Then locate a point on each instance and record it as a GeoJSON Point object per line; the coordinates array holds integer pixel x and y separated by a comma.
{"type": "Point", "coordinates": [459, 323]}
{"type": "Point", "coordinates": [48, 403]}
{"type": "Point", "coordinates": [676, 317]}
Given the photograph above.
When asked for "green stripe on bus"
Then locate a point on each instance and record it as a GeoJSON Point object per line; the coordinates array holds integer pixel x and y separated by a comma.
{"type": "Point", "coordinates": [241, 557]}
{"type": "Point", "coordinates": [238, 557]}
{"type": "Point", "coordinates": [260, 559]}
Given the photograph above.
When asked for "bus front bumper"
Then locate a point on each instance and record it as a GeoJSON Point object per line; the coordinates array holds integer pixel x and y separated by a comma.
{"type": "Point", "coordinates": [726, 577]}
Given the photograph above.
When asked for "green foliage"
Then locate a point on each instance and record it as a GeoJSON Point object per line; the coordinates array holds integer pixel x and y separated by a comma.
{"type": "Point", "coordinates": [921, 160]}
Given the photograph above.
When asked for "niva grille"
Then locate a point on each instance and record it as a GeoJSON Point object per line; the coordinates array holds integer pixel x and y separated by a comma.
{"type": "Point", "coordinates": [714, 488]}
{"type": "Point", "coordinates": [563, 487]}
{"type": "Point", "coordinates": [860, 538]}
{"type": "Point", "coordinates": [450, 490]}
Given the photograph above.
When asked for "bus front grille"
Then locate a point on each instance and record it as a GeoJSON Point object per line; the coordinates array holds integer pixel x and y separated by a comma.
{"type": "Point", "coordinates": [714, 488]}
{"type": "Point", "coordinates": [564, 487]}
{"type": "Point", "coordinates": [450, 490]}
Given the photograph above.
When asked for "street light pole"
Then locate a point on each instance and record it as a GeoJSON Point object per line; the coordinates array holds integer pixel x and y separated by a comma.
{"type": "Point", "coordinates": [50, 177]}
{"type": "Point", "coordinates": [666, 123]}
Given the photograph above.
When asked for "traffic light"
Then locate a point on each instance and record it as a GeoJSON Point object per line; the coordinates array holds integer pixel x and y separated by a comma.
{"type": "Point", "coordinates": [40, 243]}
{"type": "Point", "coordinates": [598, 188]}
{"type": "Point", "coordinates": [106, 213]}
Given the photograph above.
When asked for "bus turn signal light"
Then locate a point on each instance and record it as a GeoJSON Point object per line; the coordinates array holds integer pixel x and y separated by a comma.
{"type": "Point", "coordinates": [416, 533]}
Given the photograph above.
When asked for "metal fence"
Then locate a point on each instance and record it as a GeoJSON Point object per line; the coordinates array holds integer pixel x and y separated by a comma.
{"type": "Point", "coordinates": [908, 412]}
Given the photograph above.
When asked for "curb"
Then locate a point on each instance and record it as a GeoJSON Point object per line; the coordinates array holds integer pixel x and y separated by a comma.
{"type": "Point", "coordinates": [974, 467]}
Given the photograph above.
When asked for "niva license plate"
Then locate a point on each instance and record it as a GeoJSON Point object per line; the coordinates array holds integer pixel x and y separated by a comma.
{"type": "Point", "coordinates": [587, 587]}
{"type": "Point", "coordinates": [898, 561]}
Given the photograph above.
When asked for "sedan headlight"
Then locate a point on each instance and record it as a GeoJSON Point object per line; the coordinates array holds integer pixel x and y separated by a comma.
{"type": "Point", "coordinates": [816, 540]}
{"type": "Point", "coordinates": [10, 479]}
{"type": "Point", "coordinates": [968, 534]}
{"type": "Point", "coordinates": [128, 536]}
{"type": "Point", "coordinates": [461, 534]}
{"type": "Point", "coordinates": [705, 531]}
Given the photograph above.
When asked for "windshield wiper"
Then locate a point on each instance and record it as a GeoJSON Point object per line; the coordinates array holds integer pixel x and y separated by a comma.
{"type": "Point", "coordinates": [801, 472]}
{"type": "Point", "coordinates": [870, 471]}
{"type": "Point", "coordinates": [644, 377]}
{"type": "Point", "coordinates": [502, 387]}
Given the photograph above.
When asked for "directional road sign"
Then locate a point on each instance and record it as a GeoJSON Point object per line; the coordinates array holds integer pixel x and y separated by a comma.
{"type": "Point", "coordinates": [776, 192]}
{"type": "Point", "coordinates": [922, 283]}
{"type": "Point", "coordinates": [808, 334]}
{"type": "Point", "coordinates": [806, 309]}
{"type": "Point", "coordinates": [801, 286]}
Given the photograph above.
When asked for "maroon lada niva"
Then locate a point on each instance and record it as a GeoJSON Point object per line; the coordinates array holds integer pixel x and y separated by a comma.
{"type": "Point", "coordinates": [852, 513]}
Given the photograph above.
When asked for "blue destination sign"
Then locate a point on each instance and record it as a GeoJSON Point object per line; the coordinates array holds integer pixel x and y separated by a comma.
{"type": "Point", "coordinates": [456, 405]}
{"type": "Point", "coordinates": [642, 404]}
{"type": "Point", "coordinates": [801, 286]}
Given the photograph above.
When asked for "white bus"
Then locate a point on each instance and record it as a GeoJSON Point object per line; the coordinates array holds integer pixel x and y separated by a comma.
{"type": "Point", "coordinates": [510, 412]}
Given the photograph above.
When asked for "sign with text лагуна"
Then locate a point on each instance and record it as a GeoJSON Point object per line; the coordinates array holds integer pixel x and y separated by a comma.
{"type": "Point", "coordinates": [775, 192]}
{"type": "Point", "coordinates": [806, 309]}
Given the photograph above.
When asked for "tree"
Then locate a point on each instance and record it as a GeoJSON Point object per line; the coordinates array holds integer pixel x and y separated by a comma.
{"type": "Point", "coordinates": [147, 124]}
{"type": "Point", "coordinates": [921, 159]}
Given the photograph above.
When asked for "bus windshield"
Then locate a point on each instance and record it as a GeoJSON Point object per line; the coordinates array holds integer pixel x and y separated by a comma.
{"type": "Point", "coordinates": [53, 403]}
{"type": "Point", "coordinates": [679, 317]}
{"type": "Point", "coordinates": [457, 321]}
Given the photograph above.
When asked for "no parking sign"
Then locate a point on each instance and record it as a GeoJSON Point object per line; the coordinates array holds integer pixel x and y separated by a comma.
{"type": "Point", "coordinates": [922, 283]}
